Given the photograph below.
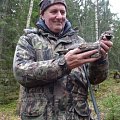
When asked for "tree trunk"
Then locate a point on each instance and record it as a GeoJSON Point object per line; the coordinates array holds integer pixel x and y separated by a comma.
{"type": "Point", "coordinates": [29, 14]}
{"type": "Point", "coordinates": [96, 19]}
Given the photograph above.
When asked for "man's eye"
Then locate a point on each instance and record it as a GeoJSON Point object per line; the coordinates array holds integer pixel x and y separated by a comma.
{"type": "Point", "coordinates": [62, 12]}
{"type": "Point", "coordinates": [54, 11]}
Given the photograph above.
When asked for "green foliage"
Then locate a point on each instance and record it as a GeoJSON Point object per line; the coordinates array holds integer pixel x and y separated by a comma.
{"type": "Point", "coordinates": [13, 19]}
{"type": "Point", "coordinates": [8, 107]}
{"type": "Point", "coordinates": [112, 105]}
{"type": "Point", "coordinates": [2, 23]}
{"type": "Point", "coordinates": [35, 13]}
{"type": "Point", "coordinates": [8, 87]}
{"type": "Point", "coordinates": [83, 13]}
{"type": "Point", "coordinates": [8, 111]}
{"type": "Point", "coordinates": [108, 98]}
{"type": "Point", "coordinates": [114, 53]}
{"type": "Point", "coordinates": [71, 12]}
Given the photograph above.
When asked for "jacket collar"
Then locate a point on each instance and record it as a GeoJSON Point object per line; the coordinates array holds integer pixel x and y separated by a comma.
{"type": "Point", "coordinates": [42, 27]}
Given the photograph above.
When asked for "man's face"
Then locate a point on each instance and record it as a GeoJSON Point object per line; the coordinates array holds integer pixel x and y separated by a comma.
{"type": "Point", "coordinates": [55, 17]}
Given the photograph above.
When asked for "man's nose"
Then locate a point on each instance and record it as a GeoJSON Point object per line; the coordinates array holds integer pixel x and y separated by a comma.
{"type": "Point", "coordinates": [59, 15]}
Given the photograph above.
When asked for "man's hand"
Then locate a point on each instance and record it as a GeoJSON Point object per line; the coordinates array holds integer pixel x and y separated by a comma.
{"type": "Point", "coordinates": [105, 47]}
{"type": "Point", "coordinates": [74, 58]}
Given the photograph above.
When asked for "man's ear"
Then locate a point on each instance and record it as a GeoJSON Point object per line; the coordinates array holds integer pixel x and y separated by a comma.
{"type": "Point", "coordinates": [42, 16]}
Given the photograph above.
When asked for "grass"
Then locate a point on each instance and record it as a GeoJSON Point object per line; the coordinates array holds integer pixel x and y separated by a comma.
{"type": "Point", "coordinates": [107, 96]}
{"type": "Point", "coordinates": [8, 111]}
{"type": "Point", "coordinates": [108, 99]}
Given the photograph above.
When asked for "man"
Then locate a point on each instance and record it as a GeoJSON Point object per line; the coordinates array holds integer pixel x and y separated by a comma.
{"type": "Point", "coordinates": [55, 85]}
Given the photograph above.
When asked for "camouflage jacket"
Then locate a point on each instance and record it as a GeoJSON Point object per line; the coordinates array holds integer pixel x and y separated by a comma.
{"type": "Point", "coordinates": [50, 91]}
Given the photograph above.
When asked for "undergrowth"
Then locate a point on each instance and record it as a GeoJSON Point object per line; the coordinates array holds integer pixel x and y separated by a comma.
{"type": "Point", "coordinates": [107, 96]}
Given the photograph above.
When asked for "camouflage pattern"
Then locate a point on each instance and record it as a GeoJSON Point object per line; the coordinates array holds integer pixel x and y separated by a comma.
{"type": "Point", "coordinates": [49, 92]}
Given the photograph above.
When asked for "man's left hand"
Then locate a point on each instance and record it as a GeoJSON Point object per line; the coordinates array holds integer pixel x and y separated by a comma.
{"type": "Point", "coordinates": [105, 47]}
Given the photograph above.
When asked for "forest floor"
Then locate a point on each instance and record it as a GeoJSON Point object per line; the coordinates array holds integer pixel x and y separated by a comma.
{"type": "Point", "coordinates": [107, 97]}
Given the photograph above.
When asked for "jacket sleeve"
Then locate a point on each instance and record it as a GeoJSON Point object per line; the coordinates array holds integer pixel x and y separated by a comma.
{"type": "Point", "coordinates": [98, 71]}
{"type": "Point", "coordinates": [31, 73]}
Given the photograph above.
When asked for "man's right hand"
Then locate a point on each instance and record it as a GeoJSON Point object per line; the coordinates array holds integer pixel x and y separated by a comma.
{"type": "Point", "coordinates": [74, 58]}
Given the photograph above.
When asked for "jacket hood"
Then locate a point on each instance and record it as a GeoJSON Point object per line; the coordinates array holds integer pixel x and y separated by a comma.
{"type": "Point", "coordinates": [67, 29]}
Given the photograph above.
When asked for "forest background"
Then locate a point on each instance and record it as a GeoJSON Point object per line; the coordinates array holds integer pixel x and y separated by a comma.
{"type": "Point", "coordinates": [90, 18]}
